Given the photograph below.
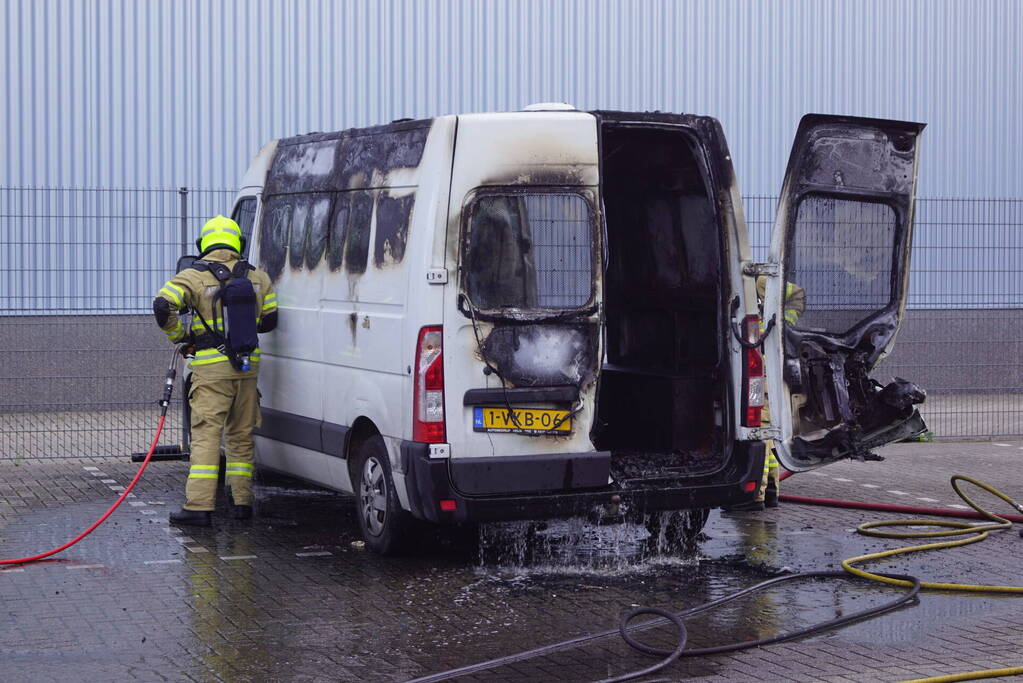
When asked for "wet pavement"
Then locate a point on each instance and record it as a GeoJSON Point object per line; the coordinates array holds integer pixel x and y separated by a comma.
{"type": "Point", "coordinates": [292, 595]}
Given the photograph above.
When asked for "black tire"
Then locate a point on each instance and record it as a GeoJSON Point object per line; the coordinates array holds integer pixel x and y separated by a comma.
{"type": "Point", "coordinates": [677, 530]}
{"type": "Point", "coordinates": [385, 526]}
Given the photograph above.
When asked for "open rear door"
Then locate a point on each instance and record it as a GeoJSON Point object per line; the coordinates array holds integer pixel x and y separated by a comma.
{"type": "Point", "coordinates": [842, 238]}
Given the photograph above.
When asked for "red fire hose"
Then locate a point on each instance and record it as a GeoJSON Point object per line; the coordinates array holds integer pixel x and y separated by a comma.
{"type": "Point", "coordinates": [168, 389]}
{"type": "Point", "coordinates": [885, 507]}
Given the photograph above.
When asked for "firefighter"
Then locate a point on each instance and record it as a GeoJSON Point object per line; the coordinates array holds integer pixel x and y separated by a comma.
{"type": "Point", "coordinates": [231, 301]}
{"type": "Point", "coordinates": [767, 492]}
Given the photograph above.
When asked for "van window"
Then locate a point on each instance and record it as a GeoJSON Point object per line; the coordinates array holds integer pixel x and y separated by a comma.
{"type": "Point", "coordinates": [274, 233]}
{"type": "Point", "coordinates": [245, 216]}
{"type": "Point", "coordinates": [319, 225]}
{"type": "Point", "coordinates": [357, 242]}
{"type": "Point", "coordinates": [338, 230]}
{"type": "Point", "coordinates": [393, 215]}
{"type": "Point", "coordinates": [532, 251]}
{"type": "Point", "coordinates": [299, 231]}
{"type": "Point", "coordinates": [842, 257]}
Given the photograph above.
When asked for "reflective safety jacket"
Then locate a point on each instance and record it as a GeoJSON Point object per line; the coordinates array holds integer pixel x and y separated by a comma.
{"type": "Point", "coordinates": [196, 289]}
{"type": "Point", "coordinates": [795, 300]}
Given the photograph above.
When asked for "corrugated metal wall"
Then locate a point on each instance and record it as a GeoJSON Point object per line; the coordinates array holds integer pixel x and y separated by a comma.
{"type": "Point", "coordinates": [125, 93]}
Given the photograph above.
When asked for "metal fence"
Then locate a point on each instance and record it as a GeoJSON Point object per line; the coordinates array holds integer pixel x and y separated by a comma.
{"type": "Point", "coordinates": [82, 361]}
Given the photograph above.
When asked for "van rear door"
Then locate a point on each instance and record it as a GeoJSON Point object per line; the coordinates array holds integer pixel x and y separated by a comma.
{"type": "Point", "coordinates": [842, 237]}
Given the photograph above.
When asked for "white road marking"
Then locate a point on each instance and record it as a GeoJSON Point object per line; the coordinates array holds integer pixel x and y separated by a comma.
{"type": "Point", "coordinates": [136, 503]}
{"type": "Point", "coordinates": [1003, 445]}
{"type": "Point", "coordinates": [11, 571]}
{"type": "Point", "coordinates": [108, 481]}
{"type": "Point", "coordinates": [870, 486]}
{"type": "Point", "coordinates": [319, 553]}
{"type": "Point", "coordinates": [172, 530]}
{"type": "Point", "coordinates": [184, 539]}
{"type": "Point", "coordinates": [899, 493]}
{"type": "Point", "coordinates": [840, 479]}
{"type": "Point", "coordinates": [196, 549]}
{"type": "Point", "coordinates": [116, 488]}
{"type": "Point", "coordinates": [817, 474]}
{"type": "Point", "coordinates": [162, 562]}
{"type": "Point", "coordinates": [90, 469]}
{"type": "Point", "coordinates": [960, 507]}
{"type": "Point", "coordinates": [231, 558]}
{"type": "Point", "coordinates": [149, 512]}
{"type": "Point", "coordinates": [928, 500]}
{"type": "Point", "coordinates": [86, 566]}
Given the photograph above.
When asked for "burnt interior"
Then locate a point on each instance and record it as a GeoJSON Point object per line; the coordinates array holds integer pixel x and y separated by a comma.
{"type": "Point", "coordinates": [662, 387]}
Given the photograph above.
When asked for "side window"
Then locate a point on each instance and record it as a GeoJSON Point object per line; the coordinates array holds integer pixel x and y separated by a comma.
{"type": "Point", "coordinates": [300, 223]}
{"type": "Point", "coordinates": [274, 233]}
{"type": "Point", "coordinates": [338, 230]}
{"type": "Point", "coordinates": [245, 215]}
{"type": "Point", "coordinates": [529, 251]}
{"type": "Point", "coordinates": [842, 257]}
{"type": "Point", "coordinates": [393, 214]}
{"type": "Point", "coordinates": [319, 225]}
{"type": "Point", "coordinates": [357, 243]}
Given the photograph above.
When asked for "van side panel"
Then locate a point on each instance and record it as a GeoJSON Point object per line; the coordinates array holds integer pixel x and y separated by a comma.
{"type": "Point", "coordinates": [345, 230]}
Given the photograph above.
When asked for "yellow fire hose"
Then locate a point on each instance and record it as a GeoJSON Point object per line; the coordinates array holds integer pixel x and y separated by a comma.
{"type": "Point", "coordinates": [978, 533]}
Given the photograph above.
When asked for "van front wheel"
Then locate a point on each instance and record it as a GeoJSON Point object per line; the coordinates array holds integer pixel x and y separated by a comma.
{"type": "Point", "coordinates": [384, 525]}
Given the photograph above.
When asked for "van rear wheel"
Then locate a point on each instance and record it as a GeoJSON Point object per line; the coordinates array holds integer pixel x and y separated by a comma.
{"type": "Point", "coordinates": [384, 524]}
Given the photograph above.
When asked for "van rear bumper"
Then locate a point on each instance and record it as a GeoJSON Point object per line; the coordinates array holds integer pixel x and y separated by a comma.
{"type": "Point", "coordinates": [428, 482]}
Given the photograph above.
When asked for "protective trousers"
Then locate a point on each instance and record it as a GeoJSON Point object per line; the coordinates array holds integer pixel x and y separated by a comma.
{"type": "Point", "coordinates": [225, 409]}
{"type": "Point", "coordinates": [772, 473]}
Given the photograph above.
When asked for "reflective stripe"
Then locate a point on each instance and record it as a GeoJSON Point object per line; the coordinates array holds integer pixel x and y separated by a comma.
{"type": "Point", "coordinates": [269, 305]}
{"type": "Point", "coordinates": [175, 332]}
{"type": "Point", "coordinates": [272, 296]}
{"type": "Point", "coordinates": [220, 228]}
{"type": "Point", "coordinates": [170, 294]}
{"type": "Point", "coordinates": [244, 465]}
{"type": "Point", "coordinates": [791, 316]}
{"type": "Point", "coordinates": [203, 471]}
{"type": "Point", "coordinates": [208, 356]}
{"type": "Point", "coordinates": [238, 473]}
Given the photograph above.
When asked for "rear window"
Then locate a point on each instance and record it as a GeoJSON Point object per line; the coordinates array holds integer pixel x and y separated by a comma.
{"type": "Point", "coordinates": [530, 251]}
{"type": "Point", "coordinates": [842, 257]}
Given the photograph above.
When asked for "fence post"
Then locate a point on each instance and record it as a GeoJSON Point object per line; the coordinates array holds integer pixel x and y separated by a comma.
{"type": "Point", "coordinates": [184, 220]}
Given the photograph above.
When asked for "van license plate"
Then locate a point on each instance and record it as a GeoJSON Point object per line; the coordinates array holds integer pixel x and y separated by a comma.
{"type": "Point", "coordinates": [525, 421]}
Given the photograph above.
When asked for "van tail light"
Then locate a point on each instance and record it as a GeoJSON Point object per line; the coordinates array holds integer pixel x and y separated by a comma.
{"type": "Point", "coordinates": [752, 376]}
{"type": "Point", "coordinates": [428, 424]}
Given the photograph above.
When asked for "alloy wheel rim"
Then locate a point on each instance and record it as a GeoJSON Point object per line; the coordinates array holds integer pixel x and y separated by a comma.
{"type": "Point", "coordinates": [373, 494]}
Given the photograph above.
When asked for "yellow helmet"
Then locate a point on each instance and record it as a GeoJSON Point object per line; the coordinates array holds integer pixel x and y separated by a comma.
{"type": "Point", "coordinates": [220, 231]}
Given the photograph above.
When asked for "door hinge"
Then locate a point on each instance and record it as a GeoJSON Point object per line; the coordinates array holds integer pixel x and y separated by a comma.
{"type": "Point", "coordinates": [437, 276]}
{"type": "Point", "coordinates": [758, 269]}
{"type": "Point", "coordinates": [764, 433]}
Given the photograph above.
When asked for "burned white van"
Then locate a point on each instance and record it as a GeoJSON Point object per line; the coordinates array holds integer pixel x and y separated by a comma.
{"type": "Point", "coordinates": [534, 314]}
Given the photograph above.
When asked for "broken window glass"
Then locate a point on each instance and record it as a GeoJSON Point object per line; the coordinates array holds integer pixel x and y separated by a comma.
{"type": "Point", "coordinates": [842, 257]}
{"type": "Point", "coordinates": [531, 251]}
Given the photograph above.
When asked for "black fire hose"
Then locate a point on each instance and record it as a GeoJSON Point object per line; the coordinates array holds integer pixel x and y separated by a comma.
{"type": "Point", "coordinates": [669, 656]}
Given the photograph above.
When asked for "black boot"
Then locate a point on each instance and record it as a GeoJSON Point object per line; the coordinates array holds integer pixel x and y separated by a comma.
{"type": "Point", "coordinates": [241, 511]}
{"type": "Point", "coordinates": [191, 517]}
{"type": "Point", "coordinates": [771, 495]}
